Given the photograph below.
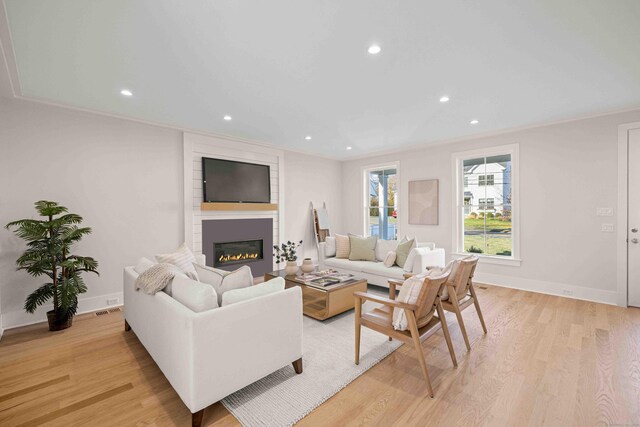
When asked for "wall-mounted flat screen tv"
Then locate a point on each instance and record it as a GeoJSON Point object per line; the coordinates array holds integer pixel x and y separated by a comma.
{"type": "Point", "coordinates": [235, 182]}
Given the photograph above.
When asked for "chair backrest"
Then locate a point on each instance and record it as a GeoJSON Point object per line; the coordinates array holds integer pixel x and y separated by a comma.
{"type": "Point", "coordinates": [431, 290]}
{"type": "Point", "coordinates": [462, 274]}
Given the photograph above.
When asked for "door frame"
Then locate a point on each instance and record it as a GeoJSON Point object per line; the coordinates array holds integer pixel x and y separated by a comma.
{"type": "Point", "coordinates": [623, 207]}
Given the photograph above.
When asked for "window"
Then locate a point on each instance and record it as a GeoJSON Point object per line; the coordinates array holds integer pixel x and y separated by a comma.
{"type": "Point", "coordinates": [486, 203]}
{"type": "Point", "coordinates": [381, 209]}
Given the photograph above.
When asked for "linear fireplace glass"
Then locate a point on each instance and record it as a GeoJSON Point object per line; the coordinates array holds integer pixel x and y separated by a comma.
{"type": "Point", "coordinates": [242, 252]}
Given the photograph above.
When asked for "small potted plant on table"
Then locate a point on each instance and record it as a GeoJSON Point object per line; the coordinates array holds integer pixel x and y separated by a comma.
{"type": "Point", "coordinates": [48, 253]}
{"type": "Point", "coordinates": [287, 253]}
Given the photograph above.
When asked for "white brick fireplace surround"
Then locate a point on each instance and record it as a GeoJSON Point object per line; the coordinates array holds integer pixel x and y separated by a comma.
{"type": "Point", "coordinates": [198, 146]}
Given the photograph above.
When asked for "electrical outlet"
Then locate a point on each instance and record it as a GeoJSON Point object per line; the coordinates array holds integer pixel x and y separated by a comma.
{"type": "Point", "coordinates": [113, 301]}
{"type": "Point", "coordinates": [604, 212]}
{"type": "Point", "coordinates": [607, 228]}
{"type": "Point", "coordinates": [567, 292]}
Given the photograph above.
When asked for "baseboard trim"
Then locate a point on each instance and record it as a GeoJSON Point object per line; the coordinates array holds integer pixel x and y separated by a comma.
{"type": "Point", "coordinates": [548, 288]}
{"type": "Point", "coordinates": [18, 318]}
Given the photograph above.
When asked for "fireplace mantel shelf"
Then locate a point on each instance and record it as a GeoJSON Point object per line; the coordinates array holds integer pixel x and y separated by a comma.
{"type": "Point", "coordinates": [238, 206]}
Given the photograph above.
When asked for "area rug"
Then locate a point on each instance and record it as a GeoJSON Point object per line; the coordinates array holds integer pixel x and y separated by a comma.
{"type": "Point", "coordinates": [283, 398]}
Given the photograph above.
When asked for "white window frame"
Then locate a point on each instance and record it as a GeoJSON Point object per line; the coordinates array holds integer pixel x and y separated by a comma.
{"type": "Point", "coordinates": [365, 196]}
{"type": "Point", "coordinates": [458, 201]}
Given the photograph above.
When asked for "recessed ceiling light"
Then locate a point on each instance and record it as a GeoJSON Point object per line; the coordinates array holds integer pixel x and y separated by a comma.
{"type": "Point", "coordinates": [474, 122]}
{"type": "Point", "coordinates": [349, 148]}
{"type": "Point", "coordinates": [444, 99]}
{"type": "Point", "coordinates": [126, 92]}
{"type": "Point", "coordinates": [374, 49]}
{"type": "Point", "coordinates": [227, 118]}
{"type": "Point", "coordinates": [307, 137]}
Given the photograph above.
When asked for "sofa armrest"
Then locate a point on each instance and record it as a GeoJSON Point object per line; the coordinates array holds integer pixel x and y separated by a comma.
{"type": "Point", "coordinates": [240, 343]}
{"type": "Point", "coordinates": [428, 258]}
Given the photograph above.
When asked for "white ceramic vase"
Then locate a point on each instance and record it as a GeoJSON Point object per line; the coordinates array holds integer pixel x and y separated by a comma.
{"type": "Point", "coordinates": [291, 268]}
{"type": "Point", "coordinates": [307, 265]}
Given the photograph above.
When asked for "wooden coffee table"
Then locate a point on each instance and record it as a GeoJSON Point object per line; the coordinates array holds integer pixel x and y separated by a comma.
{"type": "Point", "coordinates": [323, 302]}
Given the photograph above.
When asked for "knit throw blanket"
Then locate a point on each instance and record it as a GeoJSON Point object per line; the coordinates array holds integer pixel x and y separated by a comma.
{"type": "Point", "coordinates": [156, 278]}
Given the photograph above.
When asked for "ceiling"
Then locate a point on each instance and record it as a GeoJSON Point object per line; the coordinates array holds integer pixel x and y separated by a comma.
{"type": "Point", "coordinates": [287, 69]}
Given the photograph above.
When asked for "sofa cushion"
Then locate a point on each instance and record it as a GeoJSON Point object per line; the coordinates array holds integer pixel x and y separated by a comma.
{"type": "Point", "coordinates": [346, 264]}
{"type": "Point", "coordinates": [330, 246]}
{"type": "Point", "coordinates": [362, 248]}
{"type": "Point", "coordinates": [379, 269]}
{"type": "Point", "coordinates": [182, 258]}
{"type": "Point", "coordinates": [223, 281]}
{"type": "Point", "coordinates": [343, 248]}
{"type": "Point", "coordinates": [383, 247]}
{"type": "Point", "coordinates": [266, 288]}
{"type": "Point", "coordinates": [143, 265]}
{"type": "Point", "coordinates": [402, 251]}
{"type": "Point", "coordinates": [195, 295]}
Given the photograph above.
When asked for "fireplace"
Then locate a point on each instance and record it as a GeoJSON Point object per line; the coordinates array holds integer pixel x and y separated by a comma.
{"type": "Point", "coordinates": [229, 244]}
{"type": "Point", "coordinates": [241, 252]}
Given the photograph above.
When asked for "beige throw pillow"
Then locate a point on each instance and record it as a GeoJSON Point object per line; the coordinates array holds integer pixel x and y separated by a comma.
{"type": "Point", "coordinates": [402, 251]}
{"type": "Point", "coordinates": [182, 258]}
{"type": "Point", "coordinates": [390, 259]}
{"type": "Point", "coordinates": [343, 248]}
{"type": "Point", "coordinates": [362, 248]}
{"type": "Point", "coordinates": [223, 281]}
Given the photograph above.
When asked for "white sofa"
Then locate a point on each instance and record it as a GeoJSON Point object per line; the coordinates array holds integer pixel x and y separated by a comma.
{"type": "Point", "coordinates": [208, 355]}
{"type": "Point", "coordinates": [375, 272]}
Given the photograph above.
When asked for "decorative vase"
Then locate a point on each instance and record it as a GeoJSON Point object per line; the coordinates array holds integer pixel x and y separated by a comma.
{"type": "Point", "coordinates": [291, 268]}
{"type": "Point", "coordinates": [307, 265]}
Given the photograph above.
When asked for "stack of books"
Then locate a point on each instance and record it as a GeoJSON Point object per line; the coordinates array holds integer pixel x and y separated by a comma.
{"type": "Point", "coordinates": [325, 278]}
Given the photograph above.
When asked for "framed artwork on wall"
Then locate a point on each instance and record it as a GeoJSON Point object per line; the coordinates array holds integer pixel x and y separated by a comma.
{"type": "Point", "coordinates": [423, 202]}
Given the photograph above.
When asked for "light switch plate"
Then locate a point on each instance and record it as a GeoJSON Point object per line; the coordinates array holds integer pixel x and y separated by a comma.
{"type": "Point", "coordinates": [607, 228]}
{"type": "Point", "coordinates": [604, 212]}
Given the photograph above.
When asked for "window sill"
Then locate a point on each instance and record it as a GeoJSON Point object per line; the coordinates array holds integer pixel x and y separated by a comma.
{"type": "Point", "coordinates": [488, 259]}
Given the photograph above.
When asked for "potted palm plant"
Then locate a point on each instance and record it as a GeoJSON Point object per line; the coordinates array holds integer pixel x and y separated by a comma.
{"type": "Point", "coordinates": [48, 253]}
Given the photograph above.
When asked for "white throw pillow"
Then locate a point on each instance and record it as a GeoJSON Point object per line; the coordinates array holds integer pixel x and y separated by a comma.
{"type": "Point", "coordinates": [383, 247]}
{"type": "Point", "coordinates": [343, 246]}
{"type": "Point", "coordinates": [409, 293]}
{"type": "Point", "coordinates": [411, 259]}
{"type": "Point", "coordinates": [211, 276]}
{"type": "Point", "coordinates": [182, 258]}
{"type": "Point", "coordinates": [330, 246]}
{"type": "Point", "coordinates": [194, 295]}
{"type": "Point", "coordinates": [390, 259]}
{"type": "Point", "coordinates": [223, 281]}
{"type": "Point", "coordinates": [237, 295]}
{"type": "Point", "coordinates": [143, 265]}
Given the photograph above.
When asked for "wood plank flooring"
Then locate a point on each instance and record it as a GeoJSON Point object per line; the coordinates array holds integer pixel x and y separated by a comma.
{"type": "Point", "coordinates": [545, 361]}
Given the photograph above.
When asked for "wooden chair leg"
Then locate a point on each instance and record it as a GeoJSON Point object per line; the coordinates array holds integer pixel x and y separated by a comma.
{"type": "Point", "coordinates": [456, 309]}
{"type": "Point", "coordinates": [297, 366]}
{"type": "Point", "coordinates": [358, 328]}
{"type": "Point", "coordinates": [196, 418]}
{"type": "Point", "coordinates": [477, 304]}
{"type": "Point", "coordinates": [126, 326]}
{"type": "Point", "coordinates": [415, 336]}
{"type": "Point", "coordinates": [445, 332]}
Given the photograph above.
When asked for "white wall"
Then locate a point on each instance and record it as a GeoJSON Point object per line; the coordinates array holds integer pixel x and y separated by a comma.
{"type": "Point", "coordinates": [566, 171]}
{"type": "Point", "coordinates": [311, 179]}
{"type": "Point", "coordinates": [123, 177]}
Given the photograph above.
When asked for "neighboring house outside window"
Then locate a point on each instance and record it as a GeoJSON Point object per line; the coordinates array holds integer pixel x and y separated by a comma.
{"type": "Point", "coordinates": [486, 202]}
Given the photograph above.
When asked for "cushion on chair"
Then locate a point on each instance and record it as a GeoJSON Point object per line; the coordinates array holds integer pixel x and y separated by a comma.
{"type": "Point", "coordinates": [182, 258]}
{"type": "Point", "coordinates": [409, 293]}
{"type": "Point", "coordinates": [343, 247]}
{"type": "Point", "coordinates": [362, 248]}
{"type": "Point", "coordinates": [266, 288]}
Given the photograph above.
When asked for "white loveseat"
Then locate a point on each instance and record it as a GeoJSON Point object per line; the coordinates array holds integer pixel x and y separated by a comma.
{"type": "Point", "coordinates": [208, 355]}
{"type": "Point", "coordinates": [376, 273]}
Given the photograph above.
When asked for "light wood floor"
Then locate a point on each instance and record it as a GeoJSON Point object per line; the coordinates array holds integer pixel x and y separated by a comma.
{"type": "Point", "coordinates": [546, 361]}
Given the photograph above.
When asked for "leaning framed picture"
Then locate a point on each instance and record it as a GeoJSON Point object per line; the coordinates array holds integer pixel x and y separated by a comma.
{"type": "Point", "coordinates": [423, 202]}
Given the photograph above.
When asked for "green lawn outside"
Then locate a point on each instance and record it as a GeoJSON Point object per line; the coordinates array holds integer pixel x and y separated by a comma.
{"type": "Point", "coordinates": [495, 245]}
{"type": "Point", "coordinates": [492, 224]}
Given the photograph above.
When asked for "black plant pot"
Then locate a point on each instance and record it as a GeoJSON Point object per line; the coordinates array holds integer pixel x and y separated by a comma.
{"type": "Point", "coordinates": [56, 324]}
